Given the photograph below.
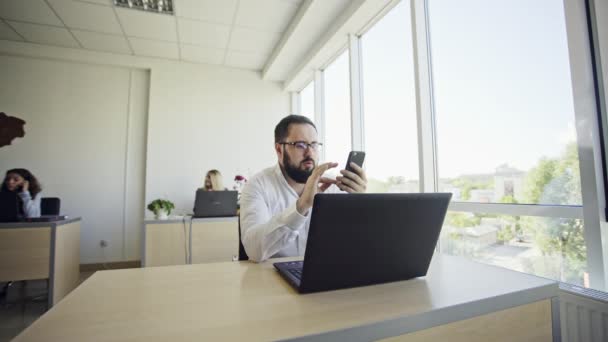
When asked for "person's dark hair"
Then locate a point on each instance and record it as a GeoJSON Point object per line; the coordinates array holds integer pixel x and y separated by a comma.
{"type": "Point", "coordinates": [282, 129]}
{"type": "Point", "coordinates": [34, 187]}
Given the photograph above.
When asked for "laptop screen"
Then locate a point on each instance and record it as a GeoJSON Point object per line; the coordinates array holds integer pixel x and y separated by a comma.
{"type": "Point", "coordinates": [215, 203]}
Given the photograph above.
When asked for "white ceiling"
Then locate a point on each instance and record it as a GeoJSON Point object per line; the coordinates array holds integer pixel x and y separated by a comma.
{"type": "Point", "coordinates": [234, 33]}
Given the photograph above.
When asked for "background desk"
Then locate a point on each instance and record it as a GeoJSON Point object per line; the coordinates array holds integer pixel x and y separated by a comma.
{"type": "Point", "coordinates": [459, 300]}
{"type": "Point", "coordinates": [167, 242]}
{"type": "Point", "coordinates": [39, 250]}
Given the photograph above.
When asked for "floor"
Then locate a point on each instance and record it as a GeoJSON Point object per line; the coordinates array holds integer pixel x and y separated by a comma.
{"type": "Point", "coordinates": [22, 304]}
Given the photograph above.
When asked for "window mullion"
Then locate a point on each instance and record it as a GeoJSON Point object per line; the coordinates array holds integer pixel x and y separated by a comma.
{"type": "Point", "coordinates": [319, 89]}
{"type": "Point", "coordinates": [356, 93]}
{"type": "Point", "coordinates": [556, 211]}
{"type": "Point", "coordinates": [587, 131]}
{"type": "Point", "coordinates": [424, 98]}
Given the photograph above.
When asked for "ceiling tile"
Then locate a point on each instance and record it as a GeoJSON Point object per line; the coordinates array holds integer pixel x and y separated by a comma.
{"type": "Point", "coordinates": [86, 16]}
{"type": "Point", "coordinates": [45, 34]}
{"type": "Point", "coordinates": [194, 53]}
{"type": "Point", "coordinates": [253, 41]}
{"type": "Point", "coordinates": [7, 33]}
{"type": "Point", "coordinates": [214, 11]}
{"type": "Point", "coordinates": [100, 2]}
{"type": "Point", "coordinates": [102, 41]}
{"type": "Point", "coordinates": [154, 48]}
{"type": "Point", "coordinates": [148, 25]}
{"type": "Point", "coordinates": [245, 60]}
{"type": "Point", "coordinates": [34, 11]}
{"type": "Point", "coordinates": [201, 33]}
{"type": "Point", "coordinates": [268, 15]}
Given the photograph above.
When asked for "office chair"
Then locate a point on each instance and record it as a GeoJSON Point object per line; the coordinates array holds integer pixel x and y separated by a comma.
{"type": "Point", "coordinates": [50, 206]}
{"type": "Point", "coordinates": [242, 253]}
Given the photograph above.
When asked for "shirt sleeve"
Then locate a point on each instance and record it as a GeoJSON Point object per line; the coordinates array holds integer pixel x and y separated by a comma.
{"type": "Point", "coordinates": [31, 206]}
{"type": "Point", "coordinates": [263, 234]}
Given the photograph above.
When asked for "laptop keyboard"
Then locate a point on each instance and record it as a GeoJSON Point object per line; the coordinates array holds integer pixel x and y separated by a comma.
{"type": "Point", "coordinates": [296, 272]}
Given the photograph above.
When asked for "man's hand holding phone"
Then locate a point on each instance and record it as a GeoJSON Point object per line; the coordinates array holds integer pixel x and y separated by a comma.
{"type": "Point", "coordinates": [354, 181]}
{"type": "Point", "coordinates": [315, 184]}
{"type": "Point", "coordinates": [353, 177]}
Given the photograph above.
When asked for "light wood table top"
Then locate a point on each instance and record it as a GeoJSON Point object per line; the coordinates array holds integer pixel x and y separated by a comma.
{"type": "Point", "coordinates": [247, 301]}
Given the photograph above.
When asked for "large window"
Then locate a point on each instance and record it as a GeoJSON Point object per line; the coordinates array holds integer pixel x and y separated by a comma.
{"type": "Point", "coordinates": [495, 93]}
{"type": "Point", "coordinates": [307, 101]}
{"type": "Point", "coordinates": [506, 133]}
{"type": "Point", "coordinates": [390, 104]}
{"type": "Point", "coordinates": [503, 99]}
{"type": "Point", "coordinates": [337, 111]}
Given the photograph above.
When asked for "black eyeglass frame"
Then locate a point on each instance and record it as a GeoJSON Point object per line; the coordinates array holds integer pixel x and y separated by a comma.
{"type": "Point", "coordinates": [303, 145]}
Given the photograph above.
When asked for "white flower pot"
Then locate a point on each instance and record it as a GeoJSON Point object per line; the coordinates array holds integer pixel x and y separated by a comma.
{"type": "Point", "coordinates": [162, 215]}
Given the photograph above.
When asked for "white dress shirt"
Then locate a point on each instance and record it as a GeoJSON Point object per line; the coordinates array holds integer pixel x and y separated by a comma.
{"type": "Point", "coordinates": [270, 223]}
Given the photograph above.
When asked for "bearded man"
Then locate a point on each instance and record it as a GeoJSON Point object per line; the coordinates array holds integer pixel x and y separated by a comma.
{"type": "Point", "coordinates": [276, 203]}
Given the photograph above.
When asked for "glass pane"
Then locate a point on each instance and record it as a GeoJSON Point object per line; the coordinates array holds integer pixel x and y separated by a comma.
{"type": "Point", "coordinates": [337, 111]}
{"type": "Point", "coordinates": [503, 101]}
{"type": "Point", "coordinates": [390, 104]}
{"type": "Point", "coordinates": [307, 101]}
{"type": "Point", "coordinates": [548, 247]}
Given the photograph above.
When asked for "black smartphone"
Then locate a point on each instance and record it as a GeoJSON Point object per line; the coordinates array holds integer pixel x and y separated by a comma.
{"type": "Point", "coordinates": [356, 157]}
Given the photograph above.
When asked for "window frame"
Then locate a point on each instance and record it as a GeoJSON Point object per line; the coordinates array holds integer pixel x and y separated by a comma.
{"type": "Point", "coordinates": [586, 118]}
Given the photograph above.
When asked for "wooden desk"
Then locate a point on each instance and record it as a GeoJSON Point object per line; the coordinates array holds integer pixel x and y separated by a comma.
{"type": "Point", "coordinates": [190, 241]}
{"type": "Point", "coordinates": [40, 250]}
{"type": "Point", "coordinates": [459, 300]}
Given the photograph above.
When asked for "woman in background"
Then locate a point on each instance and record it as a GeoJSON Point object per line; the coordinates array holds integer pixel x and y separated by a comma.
{"type": "Point", "coordinates": [213, 181]}
{"type": "Point", "coordinates": [28, 190]}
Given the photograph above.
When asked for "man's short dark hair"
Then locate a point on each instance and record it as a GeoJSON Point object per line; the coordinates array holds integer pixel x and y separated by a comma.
{"type": "Point", "coordinates": [282, 129]}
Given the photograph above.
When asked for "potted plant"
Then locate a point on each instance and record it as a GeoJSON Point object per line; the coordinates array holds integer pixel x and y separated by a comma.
{"type": "Point", "coordinates": [161, 208]}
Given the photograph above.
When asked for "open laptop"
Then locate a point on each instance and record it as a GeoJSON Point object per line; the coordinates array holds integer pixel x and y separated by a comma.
{"type": "Point", "coordinates": [215, 203]}
{"type": "Point", "coordinates": [364, 239]}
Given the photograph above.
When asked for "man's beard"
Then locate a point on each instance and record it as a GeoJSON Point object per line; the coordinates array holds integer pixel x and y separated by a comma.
{"type": "Point", "coordinates": [294, 172]}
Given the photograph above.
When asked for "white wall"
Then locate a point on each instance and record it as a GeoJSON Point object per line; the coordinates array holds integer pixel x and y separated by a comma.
{"type": "Point", "coordinates": [205, 118]}
{"type": "Point", "coordinates": [198, 117]}
{"type": "Point", "coordinates": [79, 119]}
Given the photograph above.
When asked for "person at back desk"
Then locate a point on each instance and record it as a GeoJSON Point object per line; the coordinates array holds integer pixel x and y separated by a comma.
{"type": "Point", "coordinates": [27, 187]}
{"type": "Point", "coordinates": [276, 203]}
{"type": "Point", "coordinates": [213, 181]}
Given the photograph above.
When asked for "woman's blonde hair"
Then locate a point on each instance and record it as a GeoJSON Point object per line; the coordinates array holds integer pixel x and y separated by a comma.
{"type": "Point", "coordinates": [216, 180]}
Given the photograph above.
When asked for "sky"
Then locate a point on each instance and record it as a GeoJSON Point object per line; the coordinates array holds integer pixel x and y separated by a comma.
{"type": "Point", "coordinates": [502, 89]}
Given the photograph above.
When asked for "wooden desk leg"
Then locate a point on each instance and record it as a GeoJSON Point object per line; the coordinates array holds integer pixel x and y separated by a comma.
{"type": "Point", "coordinates": [65, 261]}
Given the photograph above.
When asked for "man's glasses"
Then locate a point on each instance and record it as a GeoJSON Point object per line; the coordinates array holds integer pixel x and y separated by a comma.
{"type": "Point", "coordinates": [302, 145]}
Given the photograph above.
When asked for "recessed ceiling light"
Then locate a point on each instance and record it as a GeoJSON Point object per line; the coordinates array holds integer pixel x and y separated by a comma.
{"type": "Point", "coordinates": [157, 6]}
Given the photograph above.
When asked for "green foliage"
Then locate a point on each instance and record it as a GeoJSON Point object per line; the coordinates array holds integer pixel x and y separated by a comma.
{"type": "Point", "coordinates": [538, 178]}
{"type": "Point", "coordinates": [466, 185]}
{"type": "Point", "coordinates": [508, 199]}
{"type": "Point", "coordinates": [462, 220]}
{"type": "Point", "coordinates": [505, 234]}
{"type": "Point", "coordinates": [557, 181]}
{"type": "Point", "coordinates": [158, 204]}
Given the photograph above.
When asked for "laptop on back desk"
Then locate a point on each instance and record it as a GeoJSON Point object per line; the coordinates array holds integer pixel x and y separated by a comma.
{"type": "Point", "coordinates": [215, 203]}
